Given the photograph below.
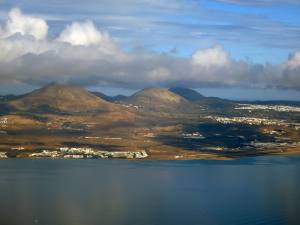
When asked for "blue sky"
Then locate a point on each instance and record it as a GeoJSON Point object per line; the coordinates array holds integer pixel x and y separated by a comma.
{"type": "Point", "coordinates": [258, 32]}
{"type": "Point", "coordinates": [256, 38]}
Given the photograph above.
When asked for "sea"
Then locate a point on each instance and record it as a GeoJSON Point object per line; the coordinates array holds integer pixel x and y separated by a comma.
{"type": "Point", "coordinates": [262, 190]}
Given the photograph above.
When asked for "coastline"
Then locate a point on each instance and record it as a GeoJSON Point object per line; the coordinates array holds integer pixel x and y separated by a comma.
{"type": "Point", "coordinates": [187, 155]}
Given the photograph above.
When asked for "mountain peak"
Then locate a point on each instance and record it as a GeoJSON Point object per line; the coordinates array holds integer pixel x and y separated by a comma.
{"type": "Point", "coordinates": [158, 99]}
{"type": "Point", "coordinates": [55, 84]}
{"type": "Point", "coordinates": [159, 94]}
{"type": "Point", "coordinates": [62, 98]}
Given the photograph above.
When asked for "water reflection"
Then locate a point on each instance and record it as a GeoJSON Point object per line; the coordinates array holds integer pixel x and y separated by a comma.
{"type": "Point", "coordinates": [262, 190]}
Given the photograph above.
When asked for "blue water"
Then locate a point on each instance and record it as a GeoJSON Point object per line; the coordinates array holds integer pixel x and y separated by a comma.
{"type": "Point", "coordinates": [255, 190]}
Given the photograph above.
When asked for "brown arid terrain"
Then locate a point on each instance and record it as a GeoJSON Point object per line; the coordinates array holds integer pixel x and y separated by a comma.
{"type": "Point", "coordinates": [62, 121]}
{"type": "Point", "coordinates": [159, 100]}
{"type": "Point", "coordinates": [62, 98]}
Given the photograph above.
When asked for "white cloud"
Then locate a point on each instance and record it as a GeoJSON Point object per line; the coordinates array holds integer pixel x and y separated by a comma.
{"type": "Point", "coordinates": [18, 46]}
{"type": "Point", "coordinates": [24, 34]}
{"type": "Point", "coordinates": [215, 56]}
{"type": "Point", "coordinates": [84, 33]}
{"type": "Point", "coordinates": [85, 55]}
{"type": "Point", "coordinates": [25, 25]}
{"type": "Point", "coordinates": [159, 73]}
{"type": "Point", "coordinates": [294, 61]}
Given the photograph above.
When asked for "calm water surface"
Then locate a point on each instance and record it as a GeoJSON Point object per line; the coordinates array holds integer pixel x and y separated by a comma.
{"type": "Point", "coordinates": [258, 190]}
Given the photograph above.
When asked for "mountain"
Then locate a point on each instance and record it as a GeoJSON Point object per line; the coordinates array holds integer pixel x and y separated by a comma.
{"type": "Point", "coordinates": [62, 98]}
{"type": "Point", "coordinates": [102, 96]}
{"type": "Point", "coordinates": [158, 99]}
{"type": "Point", "coordinates": [196, 97]}
{"type": "Point", "coordinates": [4, 98]}
{"type": "Point", "coordinates": [110, 98]}
{"type": "Point", "coordinates": [187, 93]}
{"type": "Point", "coordinates": [119, 98]}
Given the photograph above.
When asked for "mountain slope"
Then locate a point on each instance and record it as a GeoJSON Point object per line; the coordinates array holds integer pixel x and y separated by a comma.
{"type": "Point", "coordinates": [187, 93]}
{"type": "Point", "coordinates": [102, 96]}
{"type": "Point", "coordinates": [158, 99]}
{"type": "Point", "coordinates": [197, 98]}
{"type": "Point", "coordinates": [62, 98]}
{"type": "Point", "coordinates": [109, 98]}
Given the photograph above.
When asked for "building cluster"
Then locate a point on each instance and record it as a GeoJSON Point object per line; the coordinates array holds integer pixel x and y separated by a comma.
{"type": "Point", "coordinates": [195, 135]}
{"type": "Point", "coordinates": [150, 135]}
{"type": "Point", "coordinates": [80, 153]}
{"type": "Point", "coordinates": [254, 121]}
{"type": "Point", "coordinates": [70, 125]}
{"type": "Point", "coordinates": [18, 148]}
{"type": "Point", "coordinates": [268, 145]}
{"type": "Point", "coordinates": [104, 138]}
{"type": "Point", "coordinates": [250, 120]}
{"type": "Point", "coordinates": [112, 138]}
{"type": "Point", "coordinates": [90, 137]}
{"type": "Point", "coordinates": [46, 154]}
{"type": "Point", "coordinates": [276, 132]}
{"type": "Point", "coordinates": [178, 156]}
{"type": "Point", "coordinates": [3, 122]}
{"type": "Point", "coordinates": [215, 148]}
{"type": "Point", "coordinates": [277, 108]}
{"type": "Point", "coordinates": [3, 155]}
{"type": "Point", "coordinates": [246, 120]}
{"type": "Point", "coordinates": [254, 145]}
{"type": "Point", "coordinates": [132, 106]}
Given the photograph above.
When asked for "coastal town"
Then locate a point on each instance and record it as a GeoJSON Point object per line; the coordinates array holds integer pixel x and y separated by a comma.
{"type": "Point", "coordinates": [88, 153]}
{"type": "Point", "coordinates": [277, 108]}
{"type": "Point", "coordinates": [82, 153]}
{"type": "Point", "coordinates": [254, 121]}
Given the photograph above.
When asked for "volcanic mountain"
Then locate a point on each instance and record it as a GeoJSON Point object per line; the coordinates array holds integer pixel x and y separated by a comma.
{"type": "Point", "coordinates": [197, 98]}
{"type": "Point", "coordinates": [62, 98]}
{"type": "Point", "coordinates": [187, 93]}
{"type": "Point", "coordinates": [159, 99]}
{"type": "Point", "coordinates": [108, 98]}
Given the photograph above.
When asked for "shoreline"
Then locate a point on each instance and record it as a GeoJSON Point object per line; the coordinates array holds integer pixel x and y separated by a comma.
{"type": "Point", "coordinates": [189, 157]}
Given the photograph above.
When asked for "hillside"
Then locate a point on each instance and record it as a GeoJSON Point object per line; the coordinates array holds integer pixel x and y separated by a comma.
{"type": "Point", "coordinates": [159, 99]}
{"type": "Point", "coordinates": [197, 98]}
{"type": "Point", "coordinates": [62, 98]}
{"type": "Point", "coordinates": [187, 93]}
{"type": "Point", "coordinates": [108, 98]}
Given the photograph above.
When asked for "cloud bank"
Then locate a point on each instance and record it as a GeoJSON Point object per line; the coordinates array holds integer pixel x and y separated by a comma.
{"type": "Point", "coordinates": [83, 54]}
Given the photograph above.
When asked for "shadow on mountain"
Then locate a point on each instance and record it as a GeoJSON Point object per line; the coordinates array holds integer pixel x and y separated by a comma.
{"type": "Point", "coordinates": [108, 98]}
{"type": "Point", "coordinates": [5, 109]}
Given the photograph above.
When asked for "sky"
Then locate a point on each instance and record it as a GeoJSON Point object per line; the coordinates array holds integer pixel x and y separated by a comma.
{"type": "Point", "coordinates": [239, 49]}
